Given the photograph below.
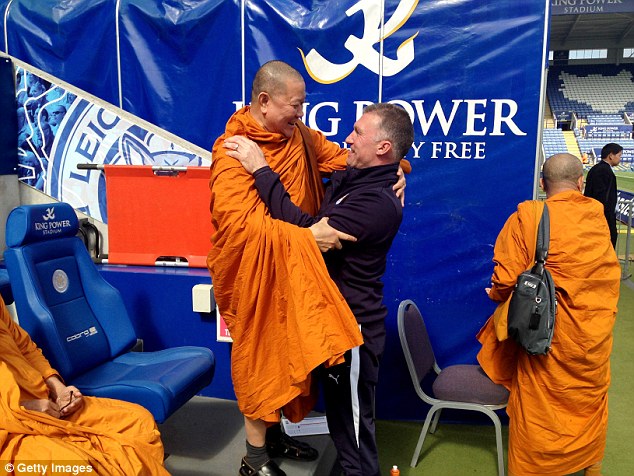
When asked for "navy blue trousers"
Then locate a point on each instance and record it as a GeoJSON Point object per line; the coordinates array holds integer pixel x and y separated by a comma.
{"type": "Point", "coordinates": [349, 395]}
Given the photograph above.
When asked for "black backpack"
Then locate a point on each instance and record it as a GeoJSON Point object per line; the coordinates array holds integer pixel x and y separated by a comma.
{"type": "Point", "coordinates": [533, 305]}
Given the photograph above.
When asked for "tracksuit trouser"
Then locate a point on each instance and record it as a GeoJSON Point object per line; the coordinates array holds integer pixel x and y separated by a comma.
{"type": "Point", "coordinates": [349, 394]}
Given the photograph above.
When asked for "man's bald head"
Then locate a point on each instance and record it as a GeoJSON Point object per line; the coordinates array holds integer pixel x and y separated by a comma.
{"type": "Point", "coordinates": [272, 78]}
{"type": "Point", "coordinates": [562, 172]}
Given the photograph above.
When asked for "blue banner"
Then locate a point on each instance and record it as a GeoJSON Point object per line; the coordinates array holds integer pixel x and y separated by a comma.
{"type": "Point", "coordinates": [474, 152]}
{"type": "Point", "coordinates": [73, 41]}
{"type": "Point", "coordinates": [452, 65]}
{"type": "Point", "coordinates": [179, 64]}
{"type": "Point", "coordinates": [8, 119]}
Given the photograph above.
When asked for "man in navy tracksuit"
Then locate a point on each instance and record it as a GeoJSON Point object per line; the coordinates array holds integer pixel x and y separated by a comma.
{"type": "Point", "coordinates": [359, 201]}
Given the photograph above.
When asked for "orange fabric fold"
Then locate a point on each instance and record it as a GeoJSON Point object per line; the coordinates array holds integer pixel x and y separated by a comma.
{"type": "Point", "coordinates": [558, 406]}
{"type": "Point", "coordinates": [113, 437]}
{"type": "Point", "coordinates": [284, 313]}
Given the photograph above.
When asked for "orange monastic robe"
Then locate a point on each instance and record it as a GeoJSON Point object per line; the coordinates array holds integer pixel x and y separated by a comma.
{"type": "Point", "coordinates": [284, 313]}
{"type": "Point", "coordinates": [558, 406]}
{"type": "Point", "coordinates": [113, 437]}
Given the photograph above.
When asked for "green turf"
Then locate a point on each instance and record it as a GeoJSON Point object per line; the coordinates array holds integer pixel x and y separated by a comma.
{"type": "Point", "coordinates": [458, 450]}
{"type": "Point", "coordinates": [625, 181]}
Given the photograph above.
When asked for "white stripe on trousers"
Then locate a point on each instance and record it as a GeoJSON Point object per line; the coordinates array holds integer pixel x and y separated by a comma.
{"type": "Point", "coordinates": [355, 364]}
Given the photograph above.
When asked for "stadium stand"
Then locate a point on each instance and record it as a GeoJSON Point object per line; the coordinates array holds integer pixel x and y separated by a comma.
{"type": "Point", "coordinates": [554, 142]}
{"type": "Point", "coordinates": [605, 119]}
{"type": "Point", "coordinates": [591, 89]}
{"type": "Point", "coordinates": [597, 103]}
{"type": "Point", "coordinates": [586, 145]}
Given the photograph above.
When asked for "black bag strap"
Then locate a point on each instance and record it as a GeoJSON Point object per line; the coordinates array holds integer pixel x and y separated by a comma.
{"type": "Point", "coordinates": [543, 242]}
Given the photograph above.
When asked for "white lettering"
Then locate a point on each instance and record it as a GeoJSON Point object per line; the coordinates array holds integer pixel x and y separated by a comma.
{"type": "Point", "coordinates": [37, 468]}
{"type": "Point", "coordinates": [499, 118]}
{"type": "Point", "coordinates": [51, 225]}
{"type": "Point", "coordinates": [437, 112]}
{"type": "Point", "coordinates": [417, 149]}
{"type": "Point", "coordinates": [458, 150]}
{"type": "Point", "coordinates": [479, 118]}
{"type": "Point", "coordinates": [85, 333]}
{"type": "Point", "coordinates": [472, 117]}
{"type": "Point", "coordinates": [334, 122]}
{"type": "Point", "coordinates": [360, 106]}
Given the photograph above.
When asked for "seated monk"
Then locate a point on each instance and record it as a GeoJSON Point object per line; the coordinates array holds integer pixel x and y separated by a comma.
{"type": "Point", "coordinates": [48, 423]}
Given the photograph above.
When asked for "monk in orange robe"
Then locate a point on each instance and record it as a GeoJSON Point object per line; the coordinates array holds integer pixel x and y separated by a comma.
{"type": "Point", "coordinates": [43, 422]}
{"type": "Point", "coordinates": [284, 313]}
{"type": "Point", "coordinates": [558, 405]}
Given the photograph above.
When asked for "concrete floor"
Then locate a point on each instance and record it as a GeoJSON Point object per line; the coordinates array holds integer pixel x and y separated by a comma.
{"type": "Point", "coordinates": [206, 437]}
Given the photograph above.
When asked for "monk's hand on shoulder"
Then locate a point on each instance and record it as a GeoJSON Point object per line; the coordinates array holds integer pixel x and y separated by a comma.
{"type": "Point", "coordinates": [42, 405]}
{"type": "Point", "coordinates": [247, 152]}
{"type": "Point", "coordinates": [69, 400]}
{"type": "Point", "coordinates": [328, 237]}
{"type": "Point", "coordinates": [399, 186]}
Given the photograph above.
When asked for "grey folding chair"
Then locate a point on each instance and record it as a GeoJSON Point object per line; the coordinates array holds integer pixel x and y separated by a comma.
{"type": "Point", "coordinates": [462, 387]}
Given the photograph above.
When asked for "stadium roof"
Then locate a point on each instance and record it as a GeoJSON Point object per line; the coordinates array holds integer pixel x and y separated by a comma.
{"type": "Point", "coordinates": [605, 30]}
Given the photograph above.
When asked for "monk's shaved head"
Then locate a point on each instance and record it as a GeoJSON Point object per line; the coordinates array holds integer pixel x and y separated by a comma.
{"type": "Point", "coordinates": [561, 172]}
{"type": "Point", "coordinates": [272, 78]}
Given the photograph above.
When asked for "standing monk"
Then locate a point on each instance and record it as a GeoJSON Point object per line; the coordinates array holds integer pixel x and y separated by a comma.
{"type": "Point", "coordinates": [284, 313]}
{"type": "Point", "coordinates": [558, 405]}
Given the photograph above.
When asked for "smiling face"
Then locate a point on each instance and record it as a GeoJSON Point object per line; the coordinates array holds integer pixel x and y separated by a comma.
{"type": "Point", "coordinates": [280, 110]}
{"type": "Point", "coordinates": [366, 143]}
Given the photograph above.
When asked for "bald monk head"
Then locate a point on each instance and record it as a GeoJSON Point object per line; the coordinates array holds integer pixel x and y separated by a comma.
{"type": "Point", "coordinates": [561, 172]}
{"type": "Point", "coordinates": [277, 97]}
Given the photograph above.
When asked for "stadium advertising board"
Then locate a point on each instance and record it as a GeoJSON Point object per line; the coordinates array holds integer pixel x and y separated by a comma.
{"type": "Point", "coordinates": [581, 7]}
{"type": "Point", "coordinates": [625, 200]}
{"type": "Point", "coordinates": [627, 155]}
{"type": "Point", "coordinates": [608, 130]}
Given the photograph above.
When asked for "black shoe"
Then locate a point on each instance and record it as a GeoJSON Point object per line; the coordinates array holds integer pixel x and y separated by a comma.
{"type": "Point", "coordinates": [269, 469]}
{"type": "Point", "coordinates": [288, 447]}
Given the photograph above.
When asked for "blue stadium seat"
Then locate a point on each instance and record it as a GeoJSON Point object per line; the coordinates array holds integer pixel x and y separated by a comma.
{"type": "Point", "coordinates": [591, 89]}
{"type": "Point", "coordinates": [554, 141]}
{"type": "Point", "coordinates": [81, 323]}
{"type": "Point", "coordinates": [5, 287]}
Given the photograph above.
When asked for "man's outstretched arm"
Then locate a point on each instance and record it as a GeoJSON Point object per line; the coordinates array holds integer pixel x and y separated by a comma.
{"type": "Point", "coordinates": [276, 198]}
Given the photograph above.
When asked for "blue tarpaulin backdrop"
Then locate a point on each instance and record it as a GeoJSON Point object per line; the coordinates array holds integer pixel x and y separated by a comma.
{"type": "Point", "coordinates": [469, 72]}
{"type": "Point", "coordinates": [8, 120]}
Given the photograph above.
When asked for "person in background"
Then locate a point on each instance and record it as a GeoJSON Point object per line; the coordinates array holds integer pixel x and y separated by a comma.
{"type": "Point", "coordinates": [361, 202]}
{"type": "Point", "coordinates": [44, 420]}
{"type": "Point", "coordinates": [558, 405]}
{"type": "Point", "coordinates": [601, 184]}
